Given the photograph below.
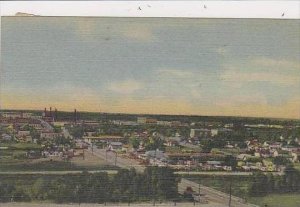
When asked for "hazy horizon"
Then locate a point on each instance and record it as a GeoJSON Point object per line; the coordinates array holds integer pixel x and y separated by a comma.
{"type": "Point", "coordinates": [205, 67]}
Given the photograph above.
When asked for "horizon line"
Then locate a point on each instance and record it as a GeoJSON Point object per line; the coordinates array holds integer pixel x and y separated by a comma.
{"type": "Point", "coordinates": [153, 114]}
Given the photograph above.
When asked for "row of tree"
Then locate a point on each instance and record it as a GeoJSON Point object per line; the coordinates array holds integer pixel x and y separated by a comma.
{"type": "Point", "coordinates": [156, 183]}
{"type": "Point", "coordinates": [263, 184]}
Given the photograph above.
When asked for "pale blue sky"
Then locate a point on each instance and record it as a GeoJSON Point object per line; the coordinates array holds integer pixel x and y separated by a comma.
{"type": "Point", "coordinates": [202, 66]}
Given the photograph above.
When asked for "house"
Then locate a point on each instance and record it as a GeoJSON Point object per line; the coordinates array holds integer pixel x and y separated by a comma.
{"type": "Point", "coordinates": [91, 123]}
{"type": "Point", "coordinates": [275, 153]}
{"type": "Point", "coordinates": [295, 156]}
{"type": "Point", "coordinates": [23, 133]}
{"type": "Point", "coordinates": [222, 131]}
{"type": "Point", "coordinates": [6, 137]}
{"type": "Point", "coordinates": [33, 154]}
{"type": "Point", "coordinates": [164, 123]}
{"type": "Point", "coordinates": [269, 166]}
{"type": "Point", "coordinates": [115, 146]}
{"type": "Point", "coordinates": [172, 141]}
{"type": "Point", "coordinates": [11, 115]}
{"type": "Point", "coordinates": [156, 155]}
{"type": "Point", "coordinates": [243, 157]}
{"type": "Point", "coordinates": [49, 135]}
{"type": "Point", "coordinates": [275, 145]}
{"type": "Point", "coordinates": [146, 120]}
{"type": "Point", "coordinates": [90, 133]}
{"type": "Point", "coordinates": [200, 133]}
{"type": "Point", "coordinates": [213, 165]}
{"type": "Point", "coordinates": [103, 138]}
{"type": "Point", "coordinates": [290, 148]}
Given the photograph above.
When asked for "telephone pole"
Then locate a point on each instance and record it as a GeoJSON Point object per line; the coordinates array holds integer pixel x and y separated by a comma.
{"type": "Point", "coordinates": [199, 187]}
{"type": "Point", "coordinates": [229, 204]}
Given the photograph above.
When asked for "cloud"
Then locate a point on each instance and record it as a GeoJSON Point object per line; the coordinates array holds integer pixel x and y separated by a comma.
{"type": "Point", "coordinates": [289, 109]}
{"type": "Point", "coordinates": [175, 73]}
{"type": "Point", "coordinates": [90, 28]}
{"type": "Point", "coordinates": [138, 32]}
{"type": "Point", "coordinates": [158, 105]}
{"type": "Point", "coordinates": [281, 64]}
{"type": "Point", "coordinates": [222, 51]}
{"type": "Point", "coordinates": [125, 87]}
{"type": "Point", "coordinates": [237, 77]}
{"type": "Point", "coordinates": [179, 82]}
{"type": "Point", "coordinates": [85, 27]}
{"type": "Point", "coordinates": [238, 100]}
{"type": "Point", "coordinates": [163, 105]}
{"type": "Point", "coordinates": [280, 72]}
{"type": "Point", "coordinates": [66, 98]}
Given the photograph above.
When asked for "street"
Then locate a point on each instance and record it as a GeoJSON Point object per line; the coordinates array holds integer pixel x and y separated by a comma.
{"type": "Point", "coordinates": [214, 197]}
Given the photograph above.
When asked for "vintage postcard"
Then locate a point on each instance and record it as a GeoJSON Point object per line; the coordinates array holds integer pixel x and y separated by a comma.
{"type": "Point", "coordinates": [145, 105]}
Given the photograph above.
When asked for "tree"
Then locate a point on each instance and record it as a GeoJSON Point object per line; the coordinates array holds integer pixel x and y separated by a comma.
{"type": "Point", "coordinates": [280, 160]}
{"type": "Point", "coordinates": [271, 183]}
{"type": "Point", "coordinates": [155, 143]}
{"type": "Point", "coordinates": [6, 191]}
{"type": "Point", "coordinates": [39, 189]}
{"type": "Point", "coordinates": [291, 179]}
{"type": "Point", "coordinates": [162, 181]}
{"type": "Point", "coordinates": [230, 161]}
{"type": "Point", "coordinates": [259, 185]}
{"type": "Point", "coordinates": [134, 142]}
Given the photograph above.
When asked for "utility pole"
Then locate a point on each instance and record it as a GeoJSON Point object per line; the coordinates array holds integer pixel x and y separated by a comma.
{"type": "Point", "coordinates": [229, 204]}
{"type": "Point", "coordinates": [106, 155]}
{"type": "Point", "coordinates": [199, 188]}
{"type": "Point", "coordinates": [116, 158]}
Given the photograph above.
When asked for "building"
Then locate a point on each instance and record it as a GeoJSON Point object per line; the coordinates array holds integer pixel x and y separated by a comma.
{"type": "Point", "coordinates": [6, 137]}
{"type": "Point", "coordinates": [103, 138]}
{"type": "Point", "coordinates": [91, 123]}
{"type": "Point", "coordinates": [200, 133]}
{"type": "Point", "coordinates": [172, 141]}
{"type": "Point", "coordinates": [115, 146]}
{"type": "Point", "coordinates": [146, 120]}
{"type": "Point", "coordinates": [12, 115]}
{"type": "Point", "coordinates": [164, 123]}
{"type": "Point", "coordinates": [23, 133]}
{"type": "Point", "coordinates": [215, 132]}
{"type": "Point", "coordinates": [49, 135]}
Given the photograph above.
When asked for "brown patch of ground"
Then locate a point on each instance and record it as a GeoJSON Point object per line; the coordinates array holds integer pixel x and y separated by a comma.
{"type": "Point", "coordinates": [89, 160]}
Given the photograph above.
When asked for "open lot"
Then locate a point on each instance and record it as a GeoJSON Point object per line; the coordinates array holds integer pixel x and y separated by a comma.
{"type": "Point", "coordinates": [11, 161]}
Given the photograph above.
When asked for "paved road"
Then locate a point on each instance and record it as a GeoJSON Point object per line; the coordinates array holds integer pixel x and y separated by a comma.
{"type": "Point", "coordinates": [66, 133]}
{"type": "Point", "coordinates": [46, 125]}
{"type": "Point", "coordinates": [189, 145]}
{"type": "Point", "coordinates": [57, 172]}
{"type": "Point", "coordinates": [217, 173]}
{"type": "Point", "coordinates": [212, 195]}
{"type": "Point", "coordinates": [170, 204]}
{"type": "Point", "coordinates": [112, 158]}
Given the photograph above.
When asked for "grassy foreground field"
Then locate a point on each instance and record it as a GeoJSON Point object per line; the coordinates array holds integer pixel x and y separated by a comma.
{"type": "Point", "coordinates": [277, 200]}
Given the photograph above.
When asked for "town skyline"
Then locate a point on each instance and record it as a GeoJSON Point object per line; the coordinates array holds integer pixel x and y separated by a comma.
{"type": "Point", "coordinates": [202, 67]}
{"type": "Point", "coordinates": [135, 114]}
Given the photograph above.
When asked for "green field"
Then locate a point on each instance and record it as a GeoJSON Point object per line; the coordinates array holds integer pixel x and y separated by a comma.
{"type": "Point", "coordinates": [277, 200]}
